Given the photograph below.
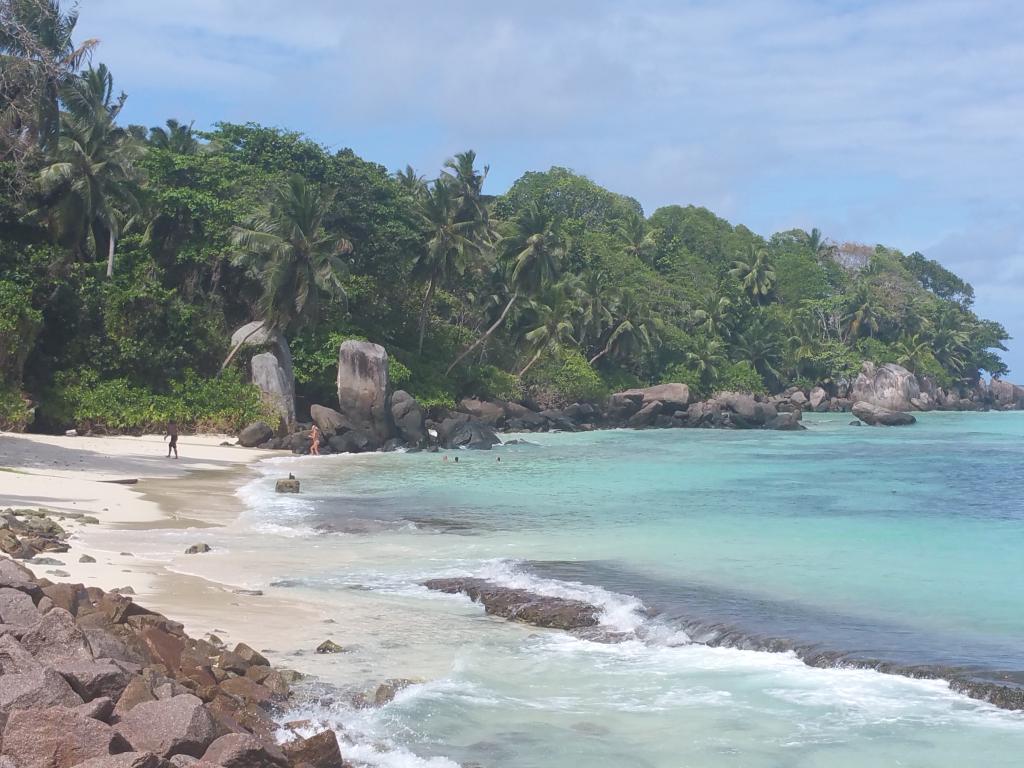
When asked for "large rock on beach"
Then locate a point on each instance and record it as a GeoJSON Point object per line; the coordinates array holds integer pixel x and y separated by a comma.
{"type": "Point", "coordinates": [408, 419]}
{"type": "Point", "coordinates": [492, 414]}
{"type": "Point", "coordinates": [56, 737]}
{"type": "Point", "coordinates": [675, 397]}
{"type": "Point", "coordinates": [888, 386]}
{"type": "Point", "coordinates": [180, 725]}
{"type": "Point", "coordinates": [876, 416]}
{"type": "Point", "coordinates": [328, 420]}
{"type": "Point", "coordinates": [363, 394]}
{"type": "Point", "coordinates": [241, 750]}
{"type": "Point", "coordinates": [255, 434]}
{"type": "Point", "coordinates": [277, 388]}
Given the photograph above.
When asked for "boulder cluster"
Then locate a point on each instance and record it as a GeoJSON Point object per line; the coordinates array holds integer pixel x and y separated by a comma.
{"type": "Point", "coordinates": [90, 678]}
{"type": "Point", "coordinates": [26, 533]}
{"type": "Point", "coordinates": [372, 417]}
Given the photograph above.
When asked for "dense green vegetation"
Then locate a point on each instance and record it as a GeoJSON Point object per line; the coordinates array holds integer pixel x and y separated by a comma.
{"type": "Point", "coordinates": [129, 254]}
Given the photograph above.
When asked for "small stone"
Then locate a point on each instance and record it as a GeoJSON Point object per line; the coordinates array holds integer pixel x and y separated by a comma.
{"type": "Point", "coordinates": [287, 486]}
{"type": "Point", "coordinates": [86, 559]}
{"type": "Point", "coordinates": [329, 646]}
{"type": "Point", "coordinates": [197, 549]}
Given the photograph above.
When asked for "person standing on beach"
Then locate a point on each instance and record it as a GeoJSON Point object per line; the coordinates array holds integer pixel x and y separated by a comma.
{"type": "Point", "coordinates": [314, 441]}
{"type": "Point", "coordinates": [172, 432]}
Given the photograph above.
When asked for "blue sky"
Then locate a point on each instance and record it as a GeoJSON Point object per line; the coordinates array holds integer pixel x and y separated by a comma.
{"type": "Point", "coordinates": [881, 122]}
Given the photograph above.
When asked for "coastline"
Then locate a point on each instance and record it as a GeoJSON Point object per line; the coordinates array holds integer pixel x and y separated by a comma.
{"type": "Point", "coordinates": [194, 494]}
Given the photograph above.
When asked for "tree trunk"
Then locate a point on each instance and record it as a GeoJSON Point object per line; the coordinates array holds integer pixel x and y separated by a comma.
{"type": "Point", "coordinates": [238, 346]}
{"type": "Point", "coordinates": [533, 360]}
{"type": "Point", "coordinates": [599, 355]}
{"type": "Point", "coordinates": [110, 256]}
{"type": "Point", "coordinates": [487, 334]}
{"type": "Point", "coordinates": [423, 312]}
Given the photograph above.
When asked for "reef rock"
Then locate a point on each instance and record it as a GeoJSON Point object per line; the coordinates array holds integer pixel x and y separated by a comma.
{"type": "Point", "coordinates": [408, 419]}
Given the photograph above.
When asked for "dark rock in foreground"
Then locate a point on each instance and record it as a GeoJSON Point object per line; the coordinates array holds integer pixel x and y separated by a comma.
{"type": "Point", "coordinates": [520, 604]}
{"type": "Point", "coordinates": [878, 416]}
{"type": "Point", "coordinates": [90, 679]}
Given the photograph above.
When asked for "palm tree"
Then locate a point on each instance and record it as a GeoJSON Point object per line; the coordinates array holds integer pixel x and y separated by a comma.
{"type": "Point", "coordinates": [88, 187]}
{"type": "Point", "coordinates": [712, 315]}
{"type": "Point", "coordinates": [632, 329]}
{"type": "Point", "coordinates": [535, 253]}
{"type": "Point", "coordinates": [461, 172]}
{"type": "Point", "coordinates": [294, 258]}
{"type": "Point", "coordinates": [411, 182]}
{"type": "Point", "coordinates": [38, 57]}
{"type": "Point", "coordinates": [708, 361]}
{"type": "Point", "coordinates": [861, 313]}
{"type": "Point", "coordinates": [596, 301]}
{"type": "Point", "coordinates": [451, 242]}
{"type": "Point", "coordinates": [819, 246]}
{"type": "Point", "coordinates": [911, 351]}
{"type": "Point", "coordinates": [756, 274]}
{"type": "Point", "coordinates": [552, 320]}
{"type": "Point", "coordinates": [948, 339]}
{"type": "Point", "coordinates": [636, 240]}
{"type": "Point", "coordinates": [176, 138]}
{"type": "Point", "coordinates": [761, 344]}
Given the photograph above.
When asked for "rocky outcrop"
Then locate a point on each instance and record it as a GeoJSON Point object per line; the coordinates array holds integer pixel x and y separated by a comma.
{"type": "Point", "coordinates": [520, 604]}
{"type": "Point", "coordinates": [363, 394]}
{"type": "Point", "coordinates": [673, 396]}
{"type": "Point", "coordinates": [154, 695]}
{"type": "Point", "coordinates": [888, 386]}
{"type": "Point", "coordinates": [328, 420]}
{"type": "Point", "coordinates": [255, 434]}
{"type": "Point", "coordinates": [1005, 394]}
{"type": "Point", "coordinates": [407, 417]}
{"type": "Point", "coordinates": [877, 416]}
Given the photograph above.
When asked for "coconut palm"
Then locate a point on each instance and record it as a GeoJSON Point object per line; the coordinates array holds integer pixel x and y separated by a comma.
{"type": "Point", "coordinates": [819, 246]}
{"type": "Point", "coordinates": [461, 173]}
{"type": "Point", "coordinates": [451, 242]}
{"type": "Point", "coordinates": [411, 182]}
{"type": "Point", "coordinates": [756, 274]}
{"type": "Point", "coordinates": [712, 315]}
{"type": "Point", "coordinates": [553, 320]}
{"type": "Point", "coordinates": [636, 240]}
{"type": "Point", "coordinates": [948, 339]}
{"type": "Point", "coordinates": [176, 137]}
{"type": "Point", "coordinates": [911, 351]}
{"type": "Point", "coordinates": [596, 300]}
{"type": "Point", "coordinates": [861, 313]}
{"type": "Point", "coordinates": [708, 360]}
{"type": "Point", "coordinates": [534, 253]}
{"type": "Point", "coordinates": [38, 56]}
{"type": "Point", "coordinates": [632, 330]}
{"type": "Point", "coordinates": [761, 344]}
{"type": "Point", "coordinates": [295, 259]}
{"type": "Point", "coordinates": [88, 188]}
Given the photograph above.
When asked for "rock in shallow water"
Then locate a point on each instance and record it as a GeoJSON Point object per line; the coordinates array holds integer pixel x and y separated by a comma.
{"type": "Point", "coordinates": [520, 604]}
{"type": "Point", "coordinates": [878, 416]}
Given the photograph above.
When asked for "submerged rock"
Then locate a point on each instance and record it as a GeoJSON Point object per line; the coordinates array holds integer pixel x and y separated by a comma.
{"type": "Point", "coordinates": [287, 485]}
{"type": "Point", "coordinates": [329, 646]}
{"type": "Point", "coordinates": [197, 549]}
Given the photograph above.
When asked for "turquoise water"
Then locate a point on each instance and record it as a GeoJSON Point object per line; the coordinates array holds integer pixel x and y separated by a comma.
{"type": "Point", "coordinates": [897, 544]}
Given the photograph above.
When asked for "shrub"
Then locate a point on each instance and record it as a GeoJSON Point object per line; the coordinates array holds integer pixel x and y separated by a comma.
{"type": "Point", "coordinates": [14, 413]}
{"type": "Point", "coordinates": [19, 324]}
{"type": "Point", "coordinates": [741, 377]}
{"type": "Point", "coordinates": [682, 374]}
{"type": "Point", "coordinates": [489, 383]}
{"type": "Point", "coordinates": [224, 404]}
{"type": "Point", "coordinates": [566, 378]}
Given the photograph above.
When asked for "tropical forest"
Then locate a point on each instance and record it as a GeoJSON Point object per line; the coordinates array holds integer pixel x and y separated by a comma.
{"type": "Point", "coordinates": [129, 254]}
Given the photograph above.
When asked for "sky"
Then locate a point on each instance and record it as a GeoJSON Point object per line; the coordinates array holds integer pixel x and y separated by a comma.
{"type": "Point", "coordinates": [895, 122]}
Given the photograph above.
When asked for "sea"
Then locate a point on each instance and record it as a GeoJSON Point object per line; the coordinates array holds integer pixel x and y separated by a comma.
{"type": "Point", "coordinates": [721, 561]}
